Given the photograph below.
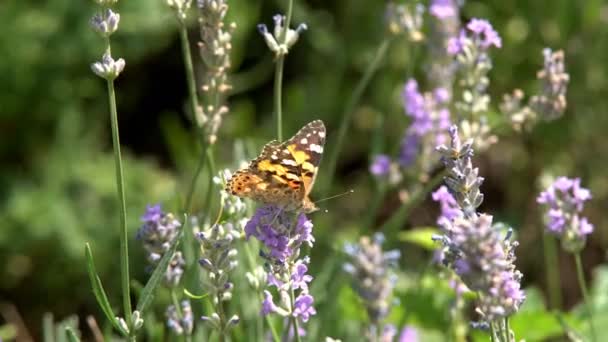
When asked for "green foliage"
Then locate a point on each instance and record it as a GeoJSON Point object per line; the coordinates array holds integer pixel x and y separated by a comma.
{"type": "Point", "coordinates": [57, 176]}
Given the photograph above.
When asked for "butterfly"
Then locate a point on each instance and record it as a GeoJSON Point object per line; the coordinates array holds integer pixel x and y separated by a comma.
{"type": "Point", "coordinates": [284, 173]}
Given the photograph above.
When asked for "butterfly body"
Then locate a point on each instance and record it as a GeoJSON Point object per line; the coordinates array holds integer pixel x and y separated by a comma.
{"type": "Point", "coordinates": [284, 173]}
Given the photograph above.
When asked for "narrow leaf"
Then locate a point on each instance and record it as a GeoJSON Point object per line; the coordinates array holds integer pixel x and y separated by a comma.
{"type": "Point", "coordinates": [193, 296]}
{"type": "Point", "coordinates": [147, 294]}
{"type": "Point", "coordinates": [72, 337]}
{"type": "Point", "coordinates": [421, 237]}
{"type": "Point", "coordinates": [98, 291]}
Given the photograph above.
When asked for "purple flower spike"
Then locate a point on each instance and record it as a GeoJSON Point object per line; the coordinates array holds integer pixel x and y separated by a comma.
{"type": "Point", "coordinates": [564, 201]}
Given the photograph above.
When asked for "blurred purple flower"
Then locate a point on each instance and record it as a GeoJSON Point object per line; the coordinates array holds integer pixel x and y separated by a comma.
{"type": "Point", "coordinates": [442, 9]}
{"type": "Point", "coordinates": [486, 34]}
{"type": "Point", "coordinates": [157, 233]}
{"type": "Point", "coordinates": [409, 148]}
{"type": "Point", "coordinates": [430, 120]}
{"type": "Point", "coordinates": [408, 334]}
{"type": "Point", "coordinates": [388, 333]}
{"type": "Point", "coordinates": [565, 200]}
{"type": "Point", "coordinates": [373, 277]}
{"type": "Point", "coordinates": [481, 34]}
{"type": "Point", "coordinates": [380, 166]}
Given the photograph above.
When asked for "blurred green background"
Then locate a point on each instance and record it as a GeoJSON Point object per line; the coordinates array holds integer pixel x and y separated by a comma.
{"type": "Point", "coordinates": [57, 188]}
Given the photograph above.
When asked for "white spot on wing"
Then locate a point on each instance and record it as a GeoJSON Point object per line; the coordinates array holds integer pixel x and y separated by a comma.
{"type": "Point", "coordinates": [322, 134]}
{"type": "Point", "coordinates": [274, 157]}
{"type": "Point", "coordinates": [316, 148]}
{"type": "Point", "coordinates": [304, 141]}
{"type": "Point", "coordinates": [289, 162]}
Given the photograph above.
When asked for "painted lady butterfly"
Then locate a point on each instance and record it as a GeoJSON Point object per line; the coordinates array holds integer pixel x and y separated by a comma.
{"type": "Point", "coordinates": [284, 173]}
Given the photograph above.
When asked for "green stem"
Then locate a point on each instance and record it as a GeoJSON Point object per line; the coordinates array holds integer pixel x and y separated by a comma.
{"type": "Point", "coordinates": [199, 167]}
{"type": "Point", "coordinates": [278, 102]}
{"type": "Point", "coordinates": [252, 264]}
{"type": "Point", "coordinates": [582, 284]}
{"type": "Point", "coordinates": [553, 274]}
{"type": "Point", "coordinates": [211, 169]}
{"type": "Point", "coordinates": [294, 319]}
{"type": "Point", "coordinates": [397, 219]}
{"type": "Point", "coordinates": [350, 107]}
{"type": "Point", "coordinates": [187, 56]}
{"type": "Point", "coordinates": [220, 312]}
{"type": "Point", "coordinates": [124, 244]}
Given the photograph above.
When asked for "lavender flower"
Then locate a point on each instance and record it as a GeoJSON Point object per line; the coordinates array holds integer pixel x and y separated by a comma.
{"type": "Point", "coordinates": [476, 249]}
{"type": "Point", "coordinates": [282, 237]}
{"type": "Point", "coordinates": [180, 8]}
{"type": "Point", "coordinates": [282, 234]}
{"type": "Point", "coordinates": [105, 23]}
{"type": "Point", "coordinates": [108, 68]}
{"type": "Point", "coordinates": [214, 48]}
{"type": "Point", "coordinates": [449, 207]}
{"type": "Point", "coordinates": [443, 9]}
{"type": "Point", "coordinates": [430, 121]}
{"type": "Point", "coordinates": [408, 334]}
{"type": "Point", "coordinates": [401, 18]}
{"type": "Point", "coordinates": [565, 199]}
{"type": "Point", "coordinates": [180, 321]}
{"type": "Point", "coordinates": [373, 278]}
{"type": "Point", "coordinates": [551, 103]}
{"type": "Point", "coordinates": [219, 259]}
{"type": "Point", "coordinates": [521, 116]}
{"type": "Point", "coordinates": [471, 48]}
{"type": "Point", "coordinates": [381, 166]}
{"type": "Point", "coordinates": [157, 234]}
{"type": "Point", "coordinates": [282, 38]}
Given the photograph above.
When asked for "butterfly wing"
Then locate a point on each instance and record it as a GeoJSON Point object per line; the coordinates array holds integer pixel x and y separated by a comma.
{"type": "Point", "coordinates": [267, 180]}
{"type": "Point", "coordinates": [306, 149]}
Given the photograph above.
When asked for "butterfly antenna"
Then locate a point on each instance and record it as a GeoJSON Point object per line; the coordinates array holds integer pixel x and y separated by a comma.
{"type": "Point", "coordinates": [334, 196]}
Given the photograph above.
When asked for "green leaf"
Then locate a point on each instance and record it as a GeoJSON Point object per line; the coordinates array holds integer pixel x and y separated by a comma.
{"type": "Point", "coordinates": [147, 294]}
{"type": "Point", "coordinates": [98, 291]}
{"type": "Point", "coordinates": [193, 296]}
{"type": "Point", "coordinates": [421, 237]}
{"type": "Point", "coordinates": [8, 332]}
{"type": "Point", "coordinates": [72, 337]}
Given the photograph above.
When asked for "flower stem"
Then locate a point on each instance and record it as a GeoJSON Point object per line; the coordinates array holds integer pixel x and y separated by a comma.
{"type": "Point", "coordinates": [199, 167]}
{"type": "Point", "coordinates": [186, 54]}
{"type": "Point", "coordinates": [350, 107]}
{"type": "Point", "coordinates": [278, 76]}
{"type": "Point", "coordinates": [251, 261]}
{"type": "Point", "coordinates": [583, 286]}
{"type": "Point", "coordinates": [294, 319]}
{"type": "Point", "coordinates": [278, 102]}
{"type": "Point", "coordinates": [553, 274]}
{"type": "Point", "coordinates": [120, 188]}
